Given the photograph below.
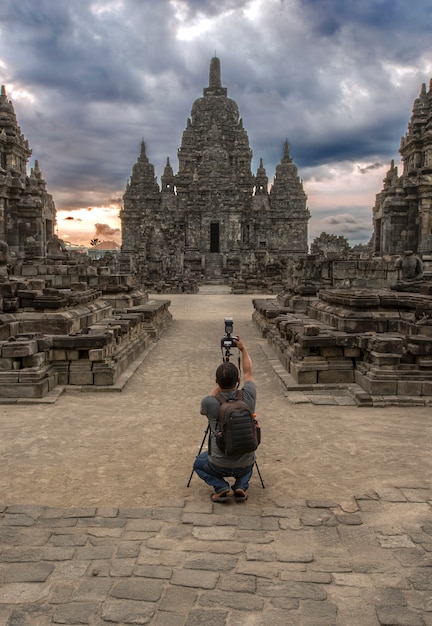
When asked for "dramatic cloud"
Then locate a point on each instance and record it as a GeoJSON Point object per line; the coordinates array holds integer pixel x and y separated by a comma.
{"type": "Point", "coordinates": [90, 79]}
{"type": "Point", "coordinates": [104, 230]}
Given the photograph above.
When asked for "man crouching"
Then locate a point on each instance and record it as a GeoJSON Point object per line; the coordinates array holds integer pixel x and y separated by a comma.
{"type": "Point", "coordinates": [214, 466]}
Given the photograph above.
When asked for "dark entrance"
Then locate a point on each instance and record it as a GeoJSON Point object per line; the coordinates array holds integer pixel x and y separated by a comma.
{"type": "Point", "coordinates": [214, 237]}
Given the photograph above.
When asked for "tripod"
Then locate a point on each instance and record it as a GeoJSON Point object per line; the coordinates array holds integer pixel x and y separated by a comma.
{"type": "Point", "coordinates": [207, 432]}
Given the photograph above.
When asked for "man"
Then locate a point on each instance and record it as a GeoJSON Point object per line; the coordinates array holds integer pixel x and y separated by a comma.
{"type": "Point", "coordinates": [214, 466]}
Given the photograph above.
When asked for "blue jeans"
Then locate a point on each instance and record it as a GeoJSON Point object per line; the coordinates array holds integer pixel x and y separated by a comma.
{"type": "Point", "coordinates": [214, 475]}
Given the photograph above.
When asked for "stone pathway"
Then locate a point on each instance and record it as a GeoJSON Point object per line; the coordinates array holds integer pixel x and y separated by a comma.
{"type": "Point", "coordinates": [309, 563]}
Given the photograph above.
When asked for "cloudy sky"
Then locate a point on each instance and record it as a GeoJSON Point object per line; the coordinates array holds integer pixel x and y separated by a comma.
{"type": "Point", "coordinates": [89, 79]}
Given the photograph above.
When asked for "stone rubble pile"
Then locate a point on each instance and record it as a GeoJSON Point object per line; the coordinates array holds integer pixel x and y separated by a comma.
{"type": "Point", "coordinates": [67, 323]}
{"type": "Point", "coordinates": [381, 340]}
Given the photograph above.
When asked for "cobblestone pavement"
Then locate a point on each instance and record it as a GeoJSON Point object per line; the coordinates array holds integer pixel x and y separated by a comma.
{"type": "Point", "coordinates": [98, 527]}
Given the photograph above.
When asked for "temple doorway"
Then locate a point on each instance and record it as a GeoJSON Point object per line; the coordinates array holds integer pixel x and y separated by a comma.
{"type": "Point", "coordinates": [214, 237]}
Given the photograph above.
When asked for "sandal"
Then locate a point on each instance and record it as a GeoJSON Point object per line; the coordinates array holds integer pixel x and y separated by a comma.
{"type": "Point", "coordinates": [240, 495]}
{"type": "Point", "coordinates": [222, 496]}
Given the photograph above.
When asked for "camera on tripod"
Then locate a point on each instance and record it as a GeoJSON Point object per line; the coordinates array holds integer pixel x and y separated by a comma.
{"type": "Point", "coordinates": [228, 341]}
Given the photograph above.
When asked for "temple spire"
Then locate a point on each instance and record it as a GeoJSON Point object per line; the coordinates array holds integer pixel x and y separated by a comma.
{"type": "Point", "coordinates": [215, 73]}
{"type": "Point", "coordinates": [215, 82]}
{"type": "Point", "coordinates": [286, 157]}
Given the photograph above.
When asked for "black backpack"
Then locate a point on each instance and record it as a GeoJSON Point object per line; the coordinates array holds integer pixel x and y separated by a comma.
{"type": "Point", "coordinates": [238, 431]}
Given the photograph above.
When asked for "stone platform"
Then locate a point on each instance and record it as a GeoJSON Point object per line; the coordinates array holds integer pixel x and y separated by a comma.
{"type": "Point", "coordinates": [377, 344]}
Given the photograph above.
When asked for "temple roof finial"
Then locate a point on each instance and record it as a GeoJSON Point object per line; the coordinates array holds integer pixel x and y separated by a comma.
{"type": "Point", "coordinates": [215, 73]}
{"type": "Point", "coordinates": [286, 156]}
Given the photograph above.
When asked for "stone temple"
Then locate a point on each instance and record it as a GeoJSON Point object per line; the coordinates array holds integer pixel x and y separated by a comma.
{"type": "Point", "coordinates": [27, 211]}
{"type": "Point", "coordinates": [360, 325]}
{"type": "Point", "coordinates": [402, 214]}
{"type": "Point", "coordinates": [214, 219]}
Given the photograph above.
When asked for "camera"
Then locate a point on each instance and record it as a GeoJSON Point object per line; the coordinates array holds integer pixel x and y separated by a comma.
{"type": "Point", "coordinates": [227, 341]}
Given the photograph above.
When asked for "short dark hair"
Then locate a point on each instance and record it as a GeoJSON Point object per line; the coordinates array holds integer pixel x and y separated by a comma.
{"type": "Point", "coordinates": [227, 375]}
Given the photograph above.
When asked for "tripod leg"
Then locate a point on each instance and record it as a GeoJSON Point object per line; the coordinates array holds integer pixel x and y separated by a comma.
{"type": "Point", "coordinates": [259, 474]}
{"type": "Point", "coordinates": [199, 452]}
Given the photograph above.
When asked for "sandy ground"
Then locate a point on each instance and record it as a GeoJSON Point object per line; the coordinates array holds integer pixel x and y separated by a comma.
{"type": "Point", "coordinates": [136, 447]}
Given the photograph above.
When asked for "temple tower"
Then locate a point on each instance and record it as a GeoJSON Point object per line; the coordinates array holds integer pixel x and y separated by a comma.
{"type": "Point", "coordinates": [402, 214]}
{"type": "Point", "coordinates": [214, 217]}
{"type": "Point", "coordinates": [27, 211]}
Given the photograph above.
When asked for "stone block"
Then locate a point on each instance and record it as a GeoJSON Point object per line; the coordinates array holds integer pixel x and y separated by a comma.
{"type": "Point", "coordinates": [317, 341]}
{"type": "Point", "coordinates": [72, 355]}
{"type": "Point", "coordinates": [334, 376]}
{"type": "Point", "coordinates": [81, 377]}
{"type": "Point", "coordinates": [97, 354]}
{"type": "Point", "coordinates": [311, 330]}
{"type": "Point", "coordinates": [62, 372]}
{"type": "Point", "coordinates": [83, 365]}
{"type": "Point", "coordinates": [26, 572]}
{"type": "Point", "coordinates": [21, 390]}
{"type": "Point", "coordinates": [78, 286]}
{"type": "Point", "coordinates": [312, 364]}
{"type": "Point", "coordinates": [386, 344]}
{"type": "Point", "coordinates": [419, 345]}
{"type": "Point", "coordinates": [424, 362]}
{"type": "Point", "coordinates": [61, 282]}
{"type": "Point", "coordinates": [17, 349]}
{"type": "Point", "coordinates": [303, 377]}
{"type": "Point", "coordinates": [11, 304]}
{"type": "Point", "coordinates": [331, 351]}
{"type": "Point", "coordinates": [353, 325]}
{"type": "Point", "coordinates": [36, 360]}
{"type": "Point", "coordinates": [377, 387]}
{"type": "Point", "coordinates": [6, 364]}
{"type": "Point", "coordinates": [92, 340]}
{"type": "Point", "coordinates": [352, 353]}
{"type": "Point", "coordinates": [49, 302]}
{"type": "Point", "coordinates": [8, 290]}
{"type": "Point", "coordinates": [36, 284]}
{"type": "Point", "coordinates": [426, 388]}
{"type": "Point", "coordinates": [56, 354]}
{"type": "Point", "coordinates": [103, 378]}
{"type": "Point", "coordinates": [29, 270]}
{"type": "Point", "coordinates": [45, 343]}
{"type": "Point", "coordinates": [385, 359]}
{"type": "Point", "coordinates": [409, 388]}
{"type": "Point", "coordinates": [9, 377]}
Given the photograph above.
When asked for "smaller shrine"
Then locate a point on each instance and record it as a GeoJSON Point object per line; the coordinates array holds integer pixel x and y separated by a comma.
{"type": "Point", "coordinates": [27, 211]}
{"type": "Point", "coordinates": [362, 320]}
{"type": "Point", "coordinates": [402, 215]}
{"type": "Point", "coordinates": [65, 321]}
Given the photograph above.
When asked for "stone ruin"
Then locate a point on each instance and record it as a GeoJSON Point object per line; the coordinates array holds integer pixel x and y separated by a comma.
{"type": "Point", "coordinates": [64, 321]}
{"type": "Point", "coordinates": [364, 321]}
{"type": "Point", "coordinates": [361, 320]}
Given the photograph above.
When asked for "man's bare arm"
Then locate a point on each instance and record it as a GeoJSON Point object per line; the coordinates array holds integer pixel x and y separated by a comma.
{"type": "Point", "coordinates": [246, 360]}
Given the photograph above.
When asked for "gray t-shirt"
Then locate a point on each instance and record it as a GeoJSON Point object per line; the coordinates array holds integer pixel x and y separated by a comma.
{"type": "Point", "coordinates": [210, 407]}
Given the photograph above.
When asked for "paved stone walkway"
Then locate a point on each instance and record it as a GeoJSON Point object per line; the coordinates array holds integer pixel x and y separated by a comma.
{"type": "Point", "coordinates": [309, 563]}
{"type": "Point", "coordinates": [82, 546]}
